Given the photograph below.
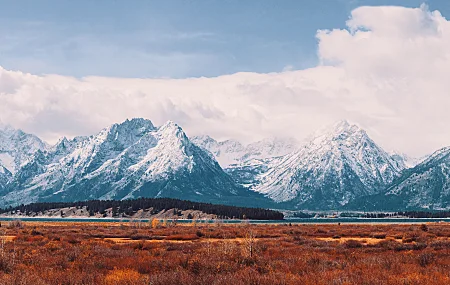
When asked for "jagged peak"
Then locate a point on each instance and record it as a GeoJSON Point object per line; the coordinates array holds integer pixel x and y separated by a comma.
{"type": "Point", "coordinates": [9, 131]}
{"type": "Point", "coordinates": [5, 127]}
{"type": "Point", "coordinates": [342, 124]}
{"type": "Point", "coordinates": [340, 130]}
{"type": "Point", "coordinates": [437, 155]}
{"type": "Point", "coordinates": [171, 126]}
{"type": "Point", "coordinates": [61, 143]}
{"type": "Point", "coordinates": [62, 140]}
{"type": "Point", "coordinates": [137, 126]}
{"type": "Point", "coordinates": [231, 142]}
{"type": "Point", "coordinates": [136, 123]}
{"type": "Point", "coordinates": [203, 138]}
{"type": "Point", "coordinates": [172, 130]}
{"type": "Point", "coordinates": [345, 126]}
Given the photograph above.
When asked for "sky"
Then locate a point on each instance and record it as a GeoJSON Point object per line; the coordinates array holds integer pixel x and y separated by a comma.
{"type": "Point", "coordinates": [169, 39]}
{"type": "Point", "coordinates": [232, 69]}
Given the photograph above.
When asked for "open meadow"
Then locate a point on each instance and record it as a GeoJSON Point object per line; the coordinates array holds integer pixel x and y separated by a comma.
{"type": "Point", "coordinates": [161, 253]}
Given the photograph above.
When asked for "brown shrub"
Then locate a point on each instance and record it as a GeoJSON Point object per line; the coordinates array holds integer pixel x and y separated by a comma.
{"type": "Point", "coordinates": [351, 243]}
{"type": "Point", "coordinates": [426, 259]}
{"type": "Point", "coordinates": [378, 235]}
{"type": "Point", "coordinates": [123, 277]}
{"type": "Point", "coordinates": [15, 224]}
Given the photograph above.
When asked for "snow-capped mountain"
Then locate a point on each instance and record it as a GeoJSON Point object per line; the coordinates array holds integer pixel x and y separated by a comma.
{"type": "Point", "coordinates": [405, 160]}
{"type": "Point", "coordinates": [246, 163]}
{"type": "Point", "coordinates": [225, 152]}
{"type": "Point", "coordinates": [17, 148]}
{"type": "Point", "coordinates": [127, 160]}
{"type": "Point", "coordinates": [231, 152]}
{"type": "Point", "coordinates": [338, 165]}
{"type": "Point", "coordinates": [426, 186]}
{"type": "Point", "coordinates": [249, 172]}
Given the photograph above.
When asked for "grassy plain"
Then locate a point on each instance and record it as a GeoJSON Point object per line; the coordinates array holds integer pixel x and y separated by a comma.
{"type": "Point", "coordinates": [155, 253]}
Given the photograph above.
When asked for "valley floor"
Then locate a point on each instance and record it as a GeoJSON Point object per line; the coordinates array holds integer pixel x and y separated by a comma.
{"type": "Point", "coordinates": [156, 253]}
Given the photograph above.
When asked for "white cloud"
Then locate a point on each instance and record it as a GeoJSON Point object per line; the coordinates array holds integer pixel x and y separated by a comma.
{"type": "Point", "coordinates": [388, 72]}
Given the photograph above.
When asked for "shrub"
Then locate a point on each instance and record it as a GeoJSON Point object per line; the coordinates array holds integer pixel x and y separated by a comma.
{"type": "Point", "coordinates": [351, 243]}
{"type": "Point", "coordinates": [424, 227]}
{"type": "Point", "coordinates": [6, 263]}
{"type": "Point", "coordinates": [440, 244]}
{"type": "Point", "coordinates": [425, 259]}
{"type": "Point", "coordinates": [122, 277]}
{"type": "Point", "coordinates": [15, 224]}
{"type": "Point", "coordinates": [378, 235]}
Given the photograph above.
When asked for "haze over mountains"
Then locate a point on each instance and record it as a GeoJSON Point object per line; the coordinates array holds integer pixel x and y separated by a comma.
{"type": "Point", "coordinates": [339, 167]}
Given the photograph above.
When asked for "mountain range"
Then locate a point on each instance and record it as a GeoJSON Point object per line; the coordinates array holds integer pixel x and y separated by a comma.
{"type": "Point", "coordinates": [339, 167]}
{"type": "Point", "coordinates": [128, 160]}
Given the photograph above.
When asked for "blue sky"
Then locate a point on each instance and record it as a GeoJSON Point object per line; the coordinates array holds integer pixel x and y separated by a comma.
{"type": "Point", "coordinates": [174, 39]}
{"type": "Point", "coordinates": [389, 73]}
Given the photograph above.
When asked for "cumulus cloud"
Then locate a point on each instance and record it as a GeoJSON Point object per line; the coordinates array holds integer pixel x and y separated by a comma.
{"type": "Point", "coordinates": [387, 71]}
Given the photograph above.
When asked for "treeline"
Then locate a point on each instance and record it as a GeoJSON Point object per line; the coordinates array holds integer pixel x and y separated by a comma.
{"type": "Point", "coordinates": [380, 215]}
{"type": "Point", "coordinates": [410, 214]}
{"type": "Point", "coordinates": [421, 214]}
{"type": "Point", "coordinates": [130, 207]}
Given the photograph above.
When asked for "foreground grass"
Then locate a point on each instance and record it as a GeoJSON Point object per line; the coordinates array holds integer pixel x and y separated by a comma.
{"type": "Point", "coordinates": [131, 253]}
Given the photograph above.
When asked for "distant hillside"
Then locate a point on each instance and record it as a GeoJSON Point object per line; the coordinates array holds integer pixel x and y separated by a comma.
{"type": "Point", "coordinates": [141, 208]}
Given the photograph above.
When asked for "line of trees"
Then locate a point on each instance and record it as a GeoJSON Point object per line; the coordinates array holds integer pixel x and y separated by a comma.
{"type": "Point", "coordinates": [129, 207]}
{"type": "Point", "coordinates": [411, 214]}
{"type": "Point", "coordinates": [422, 214]}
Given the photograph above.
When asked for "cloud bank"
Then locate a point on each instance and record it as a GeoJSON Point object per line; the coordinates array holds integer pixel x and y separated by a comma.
{"type": "Point", "coordinates": [388, 72]}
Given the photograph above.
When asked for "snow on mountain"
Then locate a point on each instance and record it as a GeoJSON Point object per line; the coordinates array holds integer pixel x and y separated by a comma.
{"type": "Point", "coordinates": [225, 152]}
{"type": "Point", "coordinates": [5, 177]}
{"type": "Point", "coordinates": [246, 163]}
{"type": "Point", "coordinates": [127, 160]}
{"type": "Point", "coordinates": [230, 152]}
{"type": "Point", "coordinates": [17, 147]}
{"type": "Point", "coordinates": [426, 186]}
{"type": "Point", "coordinates": [405, 160]}
{"type": "Point", "coordinates": [248, 172]}
{"type": "Point", "coordinates": [337, 165]}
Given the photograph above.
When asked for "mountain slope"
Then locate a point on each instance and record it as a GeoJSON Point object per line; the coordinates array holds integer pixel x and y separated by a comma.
{"type": "Point", "coordinates": [5, 178]}
{"type": "Point", "coordinates": [17, 148]}
{"type": "Point", "coordinates": [128, 160]}
{"type": "Point", "coordinates": [426, 186]}
{"type": "Point", "coordinates": [230, 153]}
{"type": "Point", "coordinates": [405, 160]}
{"type": "Point", "coordinates": [337, 166]}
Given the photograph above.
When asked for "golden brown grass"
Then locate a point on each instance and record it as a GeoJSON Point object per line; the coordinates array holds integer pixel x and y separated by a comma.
{"type": "Point", "coordinates": [121, 253]}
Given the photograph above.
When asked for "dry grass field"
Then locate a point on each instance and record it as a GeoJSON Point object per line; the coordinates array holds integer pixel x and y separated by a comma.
{"type": "Point", "coordinates": [156, 253]}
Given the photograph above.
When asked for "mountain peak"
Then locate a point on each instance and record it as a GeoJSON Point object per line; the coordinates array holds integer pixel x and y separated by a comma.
{"type": "Point", "coordinates": [10, 131]}
{"type": "Point", "coordinates": [125, 160]}
{"type": "Point", "coordinates": [125, 131]}
{"type": "Point", "coordinates": [405, 160]}
{"type": "Point", "coordinates": [170, 124]}
{"type": "Point", "coordinates": [344, 126]}
{"type": "Point", "coordinates": [341, 124]}
{"type": "Point", "coordinates": [203, 139]}
{"type": "Point", "coordinates": [340, 163]}
{"type": "Point", "coordinates": [137, 123]}
{"type": "Point", "coordinates": [339, 131]}
{"type": "Point", "coordinates": [17, 147]}
{"type": "Point", "coordinates": [5, 127]}
{"type": "Point", "coordinates": [172, 128]}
